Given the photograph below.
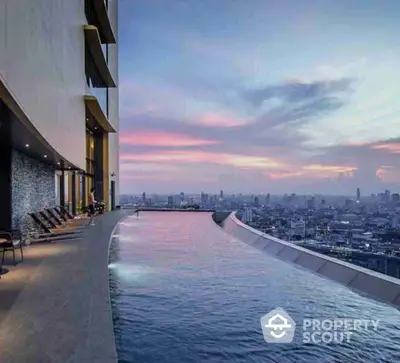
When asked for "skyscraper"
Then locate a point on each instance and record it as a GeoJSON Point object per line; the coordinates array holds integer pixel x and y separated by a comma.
{"type": "Point", "coordinates": [358, 194]}
{"type": "Point", "coordinates": [58, 106]}
{"type": "Point", "coordinates": [268, 200]}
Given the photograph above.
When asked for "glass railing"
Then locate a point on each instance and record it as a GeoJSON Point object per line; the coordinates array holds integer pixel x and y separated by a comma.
{"type": "Point", "coordinates": [101, 94]}
{"type": "Point", "coordinates": [104, 48]}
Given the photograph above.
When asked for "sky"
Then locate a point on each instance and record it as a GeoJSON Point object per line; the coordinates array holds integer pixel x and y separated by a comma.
{"type": "Point", "coordinates": [259, 96]}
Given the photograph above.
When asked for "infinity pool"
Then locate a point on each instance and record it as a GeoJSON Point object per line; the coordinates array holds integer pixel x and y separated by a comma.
{"type": "Point", "coordinates": [184, 291]}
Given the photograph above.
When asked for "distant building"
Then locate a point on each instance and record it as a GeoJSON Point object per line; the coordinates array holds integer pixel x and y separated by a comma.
{"type": "Point", "coordinates": [144, 197]}
{"type": "Point", "coordinates": [221, 194]}
{"type": "Point", "coordinates": [358, 194]}
{"type": "Point", "coordinates": [256, 201]}
{"type": "Point", "coordinates": [170, 201]}
{"type": "Point", "coordinates": [395, 197]}
{"type": "Point", "coordinates": [247, 216]}
{"type": "Point", "coordinates": [298, 228]}
{"type": "Point", "coordinates": [182, 195]}
{"type": "Point", "coordinates": [268, 200]}
{"type": "Point", "coordinates": [204, 198]}
{"type": "Point", "coordinates": [311, 203]}
{"type": "Point", "coordinates": [348, 204]}
{"type": "Point", "coordinates": [387, 196]}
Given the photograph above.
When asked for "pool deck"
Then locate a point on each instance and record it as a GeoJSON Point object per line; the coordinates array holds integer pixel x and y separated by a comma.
{"type": "Point", "coordinates": [55, 306]}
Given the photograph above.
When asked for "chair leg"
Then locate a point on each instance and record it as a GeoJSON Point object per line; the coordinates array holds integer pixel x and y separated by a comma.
{"type": "Point", "coordinates": [2, 260]}
{"type": "Point", "coordinates": [14, 256]}
{"type": "Point", "coordinates": [22, 253]}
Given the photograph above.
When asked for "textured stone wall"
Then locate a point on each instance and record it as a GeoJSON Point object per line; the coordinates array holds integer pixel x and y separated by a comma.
{"type": "Point", "coordinates": [33, 189]}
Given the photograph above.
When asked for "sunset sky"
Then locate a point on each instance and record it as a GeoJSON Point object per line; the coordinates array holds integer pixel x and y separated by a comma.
{"type": "Point", "coordinates": [259, 96]}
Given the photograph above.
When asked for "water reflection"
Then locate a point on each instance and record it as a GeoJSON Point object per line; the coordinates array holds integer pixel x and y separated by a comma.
{"type": "Point", "coordinates": [190, 290]}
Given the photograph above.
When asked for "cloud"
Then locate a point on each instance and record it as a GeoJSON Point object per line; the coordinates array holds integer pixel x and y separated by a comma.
{"type": "Point", "coordinates": [316, 171]}
{"type": "Point", "coordinates": [393, 148]}
{"type": "Point", "coordinates": [297, 91]}
{"type": "Point", "coordinates": [216, 119]}
{"type": "Point", "coordinates": [159, 139]}
{"type": "Point", "coordinates": [197, 156]}
{"type": "Point", "coordinates": [388, 174]}
{"type": "Point", "coordinates": [296, 114]}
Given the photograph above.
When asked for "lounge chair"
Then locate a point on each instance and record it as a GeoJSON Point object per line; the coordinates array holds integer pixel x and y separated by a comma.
{"type": "Point", "coordinates": [53, 215]}
{"type": "Point", "coordinates": [48, 228]}
{"type": "Point", "coordinates": [46, 218]}
{"type": "Point", "coordinates": [65, 213]}
{"type": "Point", "coordinates": [61, 215]}
{"type": "Point", "coordinates": [76, 222]}
{"type": "Point", "coordinates": [36, 237]}
{"type": "Point", "coordinates": [11, 241]}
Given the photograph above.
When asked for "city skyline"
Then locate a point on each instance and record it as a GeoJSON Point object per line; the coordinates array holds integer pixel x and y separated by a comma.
{"type": "Point", "coordinates": [283, 98]}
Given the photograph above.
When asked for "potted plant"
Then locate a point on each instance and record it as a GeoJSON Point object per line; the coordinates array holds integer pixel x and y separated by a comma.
{"type": "Point", "coordinates": [102, 207]}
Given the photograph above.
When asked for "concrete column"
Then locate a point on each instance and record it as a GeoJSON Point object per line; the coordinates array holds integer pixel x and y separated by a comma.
{"type": "Point", "coordinates": [73, 193]}
{"type": "Point", "coordinates": [62, 189]}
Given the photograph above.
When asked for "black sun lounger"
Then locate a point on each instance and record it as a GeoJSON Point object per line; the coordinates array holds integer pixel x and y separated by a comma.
{"type": "Point", "coordinates": [54, 216]}
{"type": "Point", "coordinates": [72, 224]}
{"type": "Point", "coordinates": [62, 216]}
{"type": "Point", "coordinates": [49, 221]}
{"type": "Point", "coordinates": [43, 226]}
{"type": "Point", "coordinates": [64, 212]}
{"type": "Point", "coordinates": [49, 237]}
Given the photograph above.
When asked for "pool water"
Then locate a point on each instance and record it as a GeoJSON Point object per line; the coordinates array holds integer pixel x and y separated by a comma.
{"type": "Point", "coordinates": [184, 291]}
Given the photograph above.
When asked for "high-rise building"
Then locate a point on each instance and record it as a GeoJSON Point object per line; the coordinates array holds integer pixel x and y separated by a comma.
{"type": "Point", "coordinates": [58, 106]}
{"type": "Point", "coordinates": [247, 216]}
{"type": "Point", "coordinates": [311, 203]}
{"type": "Point", "coordinates": [182, 195]}
{"type": "Point", "coordinates": [144, 197]}
{"type": "Point", "coordinates": [358, 194]}
{"type": "Point", "coordinates": [221, 194]}
{"type": "Point", "coordinates": [256, 201]}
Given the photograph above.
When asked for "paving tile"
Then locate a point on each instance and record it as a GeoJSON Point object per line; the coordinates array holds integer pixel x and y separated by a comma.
{"type": "Point", "coordinates": [57, 301]}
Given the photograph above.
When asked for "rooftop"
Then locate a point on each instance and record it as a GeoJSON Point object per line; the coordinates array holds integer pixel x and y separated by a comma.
{"type": "Point", "coordinates": [57, 301]}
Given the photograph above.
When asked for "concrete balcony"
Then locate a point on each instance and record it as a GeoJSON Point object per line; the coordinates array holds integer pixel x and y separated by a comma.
{"type": "Point", "coordinates": [106, 31]}
{"type": "Point", "coordinates": [100, 119]}
{"type": "Point", "coordinates": [93, 43]}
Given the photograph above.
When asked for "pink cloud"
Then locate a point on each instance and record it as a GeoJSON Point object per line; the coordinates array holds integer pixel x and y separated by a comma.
{"type": "Point", "coordinates": [159, 138]}
{"type": "Point", "coordinates": [392, 148]}
{"type": "Point", "coordinates": [316, 171]}
{"type": "Point", "coordinates": [196, 156]}
{"type": "Point", "coordinates": [220, 120]}
{"type": "Point", "coordinates": [330, 168]}
{"type": "Point", "coordinates": [388, 174]}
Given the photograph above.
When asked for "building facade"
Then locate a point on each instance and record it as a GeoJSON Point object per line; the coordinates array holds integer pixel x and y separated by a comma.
{"type": "Point", "coordinates": [58, 106]}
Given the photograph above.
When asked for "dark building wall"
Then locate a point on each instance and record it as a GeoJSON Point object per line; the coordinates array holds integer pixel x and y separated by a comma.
{"type": "Point", "coordinates": [5, 168]}
{"type": "Point", "coordinates": [33, 189]}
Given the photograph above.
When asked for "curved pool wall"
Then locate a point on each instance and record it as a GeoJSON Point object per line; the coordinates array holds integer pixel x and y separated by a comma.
{"type": "Point", "coordinates": [376, 285]}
